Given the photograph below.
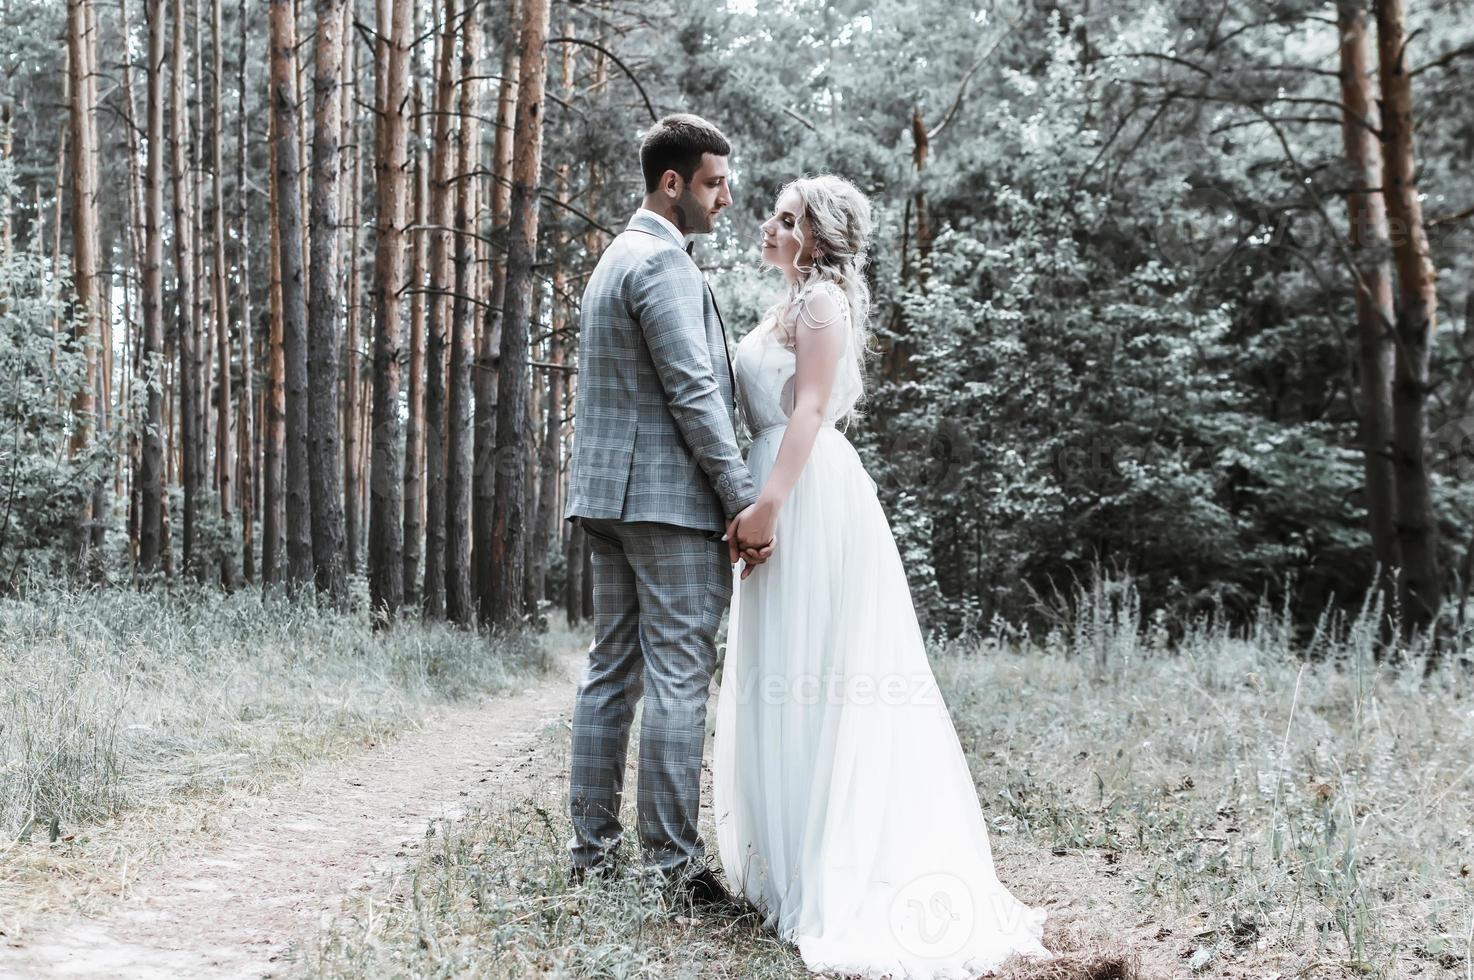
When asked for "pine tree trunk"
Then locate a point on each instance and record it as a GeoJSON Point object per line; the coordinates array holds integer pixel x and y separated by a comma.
{"type": "Point", "coordinates": [204, 318]}
{"type": "Point", "coordinates": [459, 600]}
{"type": "Point", "coordinates": [246, 443]}
{"type": "Point", "coordinates": [1374, 310]}
{"type": "Point", "coordinates": [171, 457]}
{"type": "Point", "coordinates": [353, 364]}
{"type": "Point", "coordinates": [187, 323]}
{"type": "Point", "coordinates": [533, 425]}
{"type": "Point", "coordinates": [436, 341]}
{"type": "Point", "coordinates": [102, 503]}
{"type": "Point", "coordinates": [224, 442]}
{"type": "Point", "coordinates": [489, 352]}
{"type": "Point", "coordinates": [286, 162]}
{"type": "Point", "coordinates": [896, 363]}
{"type": "Point", "coordinates": [1416, 306]}
{"type": "Point", "coordinates": [103, 387]}
{"type": "Point", "coordinates": [325, 448]}
{"type": "Point", "coordinates": [132, 340]}
{"type": "Point", "coordinates": [386, 481]}
{"type": "Point", "coordinates": [544, 534]}
{"type": "Point", "coordinates": [579, 556]}
{"type": "Point", "coordinates": [509, 526]}
{"type": "Point", "coordinates": [274, 410]}
{"type": "Point", "coordinates": [414, 437]}
{"type": "Point", "coordinates": [86, 248]}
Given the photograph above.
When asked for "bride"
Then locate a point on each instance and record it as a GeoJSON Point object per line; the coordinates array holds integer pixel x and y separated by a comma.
{"type": "Point", "coordinates": [845, 811]}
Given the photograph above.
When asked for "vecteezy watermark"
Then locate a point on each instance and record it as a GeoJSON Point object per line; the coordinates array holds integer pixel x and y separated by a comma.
{"type": "Point", "coordinates": [1096, 458]}
{"type": "Point", "coordinates": [933, 916]}
{"type": "Point", "coordinates": [886, 689]}
{"type": "Point", "coordinates": [935, 460]}
{"type": "Point", "coordinates": [1451, 449]}
{"type": "Point", "coordinates": [1207, 228]}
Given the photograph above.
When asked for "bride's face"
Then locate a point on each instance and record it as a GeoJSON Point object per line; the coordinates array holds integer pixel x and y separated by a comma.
{"type": "Point", "coordinates": [781, 246]}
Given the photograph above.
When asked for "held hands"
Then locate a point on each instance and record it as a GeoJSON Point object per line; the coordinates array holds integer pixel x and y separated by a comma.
{"type": "Point", "coordinates": [751, 534]}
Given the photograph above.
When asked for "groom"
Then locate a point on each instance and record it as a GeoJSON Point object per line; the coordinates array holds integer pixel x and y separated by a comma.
{"type": "Point", "coordinates": [656, 480]}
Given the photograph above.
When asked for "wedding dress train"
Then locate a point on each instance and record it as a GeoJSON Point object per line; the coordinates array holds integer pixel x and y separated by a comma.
{"type": "Point", "coordinates": [845, 809]}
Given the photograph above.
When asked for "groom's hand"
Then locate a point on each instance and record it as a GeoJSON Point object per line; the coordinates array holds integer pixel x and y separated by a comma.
{"type": "Point", "coordinates": [753, 557]}
{"type": "Point", "coordinates": [751, 563]}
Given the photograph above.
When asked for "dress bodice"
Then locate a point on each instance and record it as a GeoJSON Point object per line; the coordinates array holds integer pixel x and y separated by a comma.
{"type": "Point", "coordinates": [764, 365]}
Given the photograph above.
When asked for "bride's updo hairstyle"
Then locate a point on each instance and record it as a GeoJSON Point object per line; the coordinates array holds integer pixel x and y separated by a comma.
{"type": "Point", "coordinates": [836, 216]}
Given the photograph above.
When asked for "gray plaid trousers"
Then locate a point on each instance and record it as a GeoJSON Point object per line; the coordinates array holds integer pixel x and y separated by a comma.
{"type": "Point", "coordinates": [659, 592]}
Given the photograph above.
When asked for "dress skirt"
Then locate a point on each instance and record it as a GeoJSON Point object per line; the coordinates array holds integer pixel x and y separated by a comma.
{"type": "Point", "coordinates": [845, 809]}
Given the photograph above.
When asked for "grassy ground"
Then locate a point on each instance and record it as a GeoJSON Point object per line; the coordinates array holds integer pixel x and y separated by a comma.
{"type": "Point", "coordinates": [1228, 804]}
{"type": "Point", "coordinates": [122, 713]}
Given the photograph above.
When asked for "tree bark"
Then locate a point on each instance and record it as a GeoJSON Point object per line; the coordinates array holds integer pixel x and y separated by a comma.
{"type": "Point", "coordinates": [224, 444]}
{"type": "Point", "coordinates": [579, 555]}
{"type": "Point", "coordinates": [187, 323]}
{"type": "Point", "coordinates": [436, 341]}
{"type": "Point", "coordinates": [82, 57]}
{"type": "Point", "coordinates": [489, 351]}
{"type": "Point", "coordinates": [545, 535]}
{"type": "Point", "coordinates": [509, 526]}
{"type": "Point", "coordinates": [1374, 310]}
{"type": "Point", "coordinates": [386, 481]}
{"type": "Point", "coordinates": [325, 447]}
{"type": "Point", "coordinates": [103, 389]}
{"type": "Point", "coordinates": [353, 363]}
{"type": "Point", "coordinates": [274, 409]}
{"type": "Point", "coordinates": [132, 341]}
{"type": "Point", "coordinates": [1416, 306]}
{"type": "Point", "coordinates": [171, 458]}
{"type": "Point", "coordinates": [286, 161]}
{"type": "Point", "coordinates": [246, 444]}
{"type": "Point", "coordinates": [414, 438]}
{"type": "Point", "coordinates": [204, 316]}
{"type": "Point", "coordinates": [459, 601]}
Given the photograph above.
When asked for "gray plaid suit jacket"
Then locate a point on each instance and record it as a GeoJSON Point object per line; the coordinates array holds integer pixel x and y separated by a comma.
{"type": "Point", "coordinates": [654, 429]}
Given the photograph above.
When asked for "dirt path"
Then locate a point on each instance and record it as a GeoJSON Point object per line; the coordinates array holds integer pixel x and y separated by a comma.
{"type": "Point", "coordinates": [235, 906]}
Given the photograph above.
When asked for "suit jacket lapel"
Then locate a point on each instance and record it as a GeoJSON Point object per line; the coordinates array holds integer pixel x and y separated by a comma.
{"type": "Point", "coordinates": [731, 375]}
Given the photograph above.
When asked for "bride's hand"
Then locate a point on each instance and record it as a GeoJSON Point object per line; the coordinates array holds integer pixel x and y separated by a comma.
{"type": "Point", "coordinates": [750, 534]}
{"type": "Point", "coordinates": [757, 526]}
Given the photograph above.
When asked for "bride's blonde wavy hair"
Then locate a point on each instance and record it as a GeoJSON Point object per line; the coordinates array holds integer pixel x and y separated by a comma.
{"type": "Point", "coordinates": [838, 216]}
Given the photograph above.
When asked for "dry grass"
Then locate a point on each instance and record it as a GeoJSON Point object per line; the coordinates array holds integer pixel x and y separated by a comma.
{"type": "Point", "coordinates": [487, 898]}
{"type": "Point", "coordinates": [1075, 966]}
{"type": "Point", "coordinates": [125, 717]}
{"type": "Point", "coordinates": [1226, 803]}
{"type": "Point", "coordinates": [1267, 806]}
{"type": "Point", "coordinates": [1230, 804]}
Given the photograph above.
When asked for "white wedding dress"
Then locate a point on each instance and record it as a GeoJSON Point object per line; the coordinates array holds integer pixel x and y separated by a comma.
{"type": "Point", "coordinates": [845, 810]}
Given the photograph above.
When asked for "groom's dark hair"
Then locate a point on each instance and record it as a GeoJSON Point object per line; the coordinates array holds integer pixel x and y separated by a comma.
{"type": "Point", "coordinates": [677, 143]}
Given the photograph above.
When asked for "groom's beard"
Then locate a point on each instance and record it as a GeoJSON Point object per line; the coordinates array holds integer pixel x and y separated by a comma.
{"type": "Point", "coordinates": [692, 217]}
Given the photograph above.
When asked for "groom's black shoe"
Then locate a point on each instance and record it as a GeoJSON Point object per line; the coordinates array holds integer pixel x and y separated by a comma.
{"type": "Point", "coordinates": [608, 868]}
{"type": "Point", "coordinates": [702, 891]}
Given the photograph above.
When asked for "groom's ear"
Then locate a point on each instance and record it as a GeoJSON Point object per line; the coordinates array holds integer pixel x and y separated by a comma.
{"type": "Point", "coordinates": [670, 183]}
